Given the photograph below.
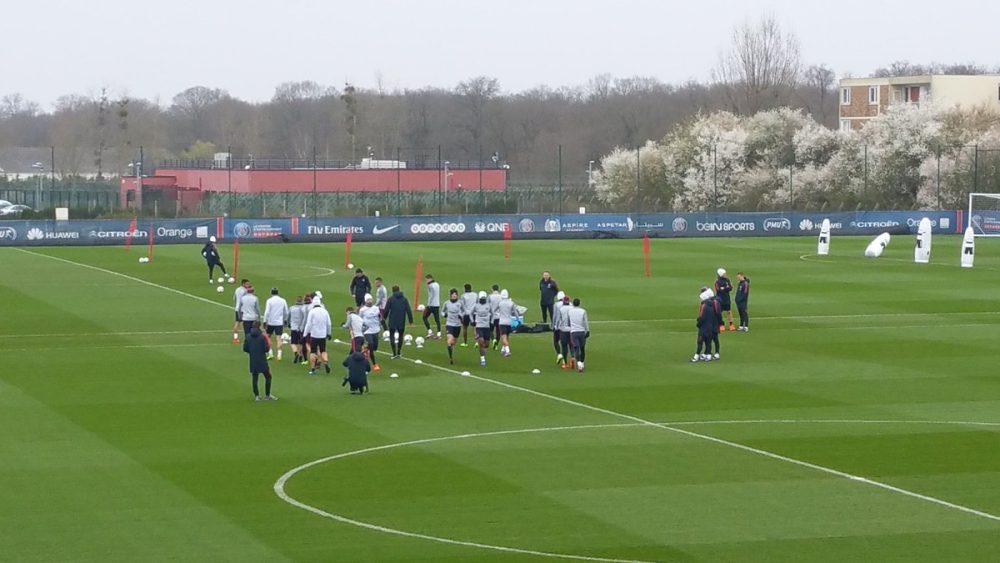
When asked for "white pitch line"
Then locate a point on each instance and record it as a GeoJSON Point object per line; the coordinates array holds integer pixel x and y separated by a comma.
{"type": "Point", "coordinates": [812, 317]}
{"type": "Point", "coordinates": [736, 445]}
{"type": "Point", "coordinates": [705, 437]}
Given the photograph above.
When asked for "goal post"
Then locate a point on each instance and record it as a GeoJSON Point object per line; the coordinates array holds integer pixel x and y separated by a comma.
{"type": "Point", "coordinates": [984, 214]}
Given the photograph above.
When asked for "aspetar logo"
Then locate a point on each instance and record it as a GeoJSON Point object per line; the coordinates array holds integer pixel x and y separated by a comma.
{"type": "Point", "coordinates": [777, 224]}
{"type": "Point", "coordinates": [8, 233]}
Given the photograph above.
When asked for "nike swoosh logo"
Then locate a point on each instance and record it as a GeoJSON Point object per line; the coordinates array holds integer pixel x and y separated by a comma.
{"type": "Point", "coordinates": [378, 231]}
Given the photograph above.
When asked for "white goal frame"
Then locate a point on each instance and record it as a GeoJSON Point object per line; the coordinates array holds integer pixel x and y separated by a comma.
{"type": "Point", "coordinates": [981, 227]}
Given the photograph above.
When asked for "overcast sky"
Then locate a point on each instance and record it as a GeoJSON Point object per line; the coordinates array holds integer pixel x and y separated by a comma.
{"type": "Point", "coordinates": [155, 49]}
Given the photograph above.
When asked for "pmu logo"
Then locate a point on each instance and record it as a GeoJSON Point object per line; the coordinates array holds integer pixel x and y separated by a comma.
{"type": "Point", "coordinates": [679, 225]}
{"type": "Point", "coordinates": [8, 233]}
{"type": "Point", "coordinates": [777, 224]}
{"type": "Point", "coordinates": [242, 230]}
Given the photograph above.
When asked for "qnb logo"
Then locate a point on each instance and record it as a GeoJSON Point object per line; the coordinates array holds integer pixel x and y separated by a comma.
{"type": "Point", "coordinates": [35, 233]}
{"type": "Point", "coordinates": [777, 224]}
{"type": "Point", "coordinates": [806, 225]}
{"type": "Point", "coordinates": [8, 233]}
{"type": "Point", "coordinates": [436, 228]}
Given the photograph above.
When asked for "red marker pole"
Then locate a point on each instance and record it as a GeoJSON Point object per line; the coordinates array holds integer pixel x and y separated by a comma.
{"type": "Point", "coordinates": [508, 233]}
{"type": "Point", "coordinates": [347, 250]}
{"type": "Point", "coordinates": [236, 257]}
{"type": "Point", "coordinates": [645, 254]}
{"type": "Point", "coordinates": [128, 237]}
{"type": "Point", "coordinates": [416, 282]}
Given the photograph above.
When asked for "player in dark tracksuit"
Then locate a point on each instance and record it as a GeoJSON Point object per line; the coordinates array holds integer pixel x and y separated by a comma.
{"type": "Point", "coordinates": [212, 259]}
{"type": "Point", "coordinates": [718, 327]}
{"type": "Point", "coordinates": [360, 285]}
{"type": "Point", "coordinates": [256, 346]}
{"type": "Point", "coordinates": [707, 323]}
{"type": "Point", "coordinates": [397, 314]}
{"type": "Point", "coordinates": [547, 288]}
{"type": "Point", "coordinates": [742, 296]}
{"type": "Point", "coordinates": [722, 288]}
{"type": "Point", "coordinates": [357, 372]}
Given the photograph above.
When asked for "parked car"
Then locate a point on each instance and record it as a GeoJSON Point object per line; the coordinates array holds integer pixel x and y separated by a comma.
{"type": "Point", "coordinates": [16, 209]}
{"type": "Point", "coordinates": [4, 203]}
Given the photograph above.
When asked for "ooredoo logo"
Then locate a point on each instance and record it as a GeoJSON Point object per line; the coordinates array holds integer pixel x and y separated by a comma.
{"type": "Point", "coordinates": [679, 225]}
{"type": "Point", "coordinates": [436, 228]}
{"type": "Point", "coordinates": [35, 233]}
{"type": "Point", "coordinates": [8, 233]}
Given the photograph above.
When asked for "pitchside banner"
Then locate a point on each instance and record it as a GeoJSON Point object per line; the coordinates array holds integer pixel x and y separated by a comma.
{"type": "Point", "coordinates": [473, 227]}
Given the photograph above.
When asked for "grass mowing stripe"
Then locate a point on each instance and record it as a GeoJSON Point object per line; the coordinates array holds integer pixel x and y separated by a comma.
{"type": "Point", "coordinates": [720, 441]}
{"type": "Point", "coordinates": [809, 317]}
{"type": "Point", "coordinates": [120, 333]}
{"type": "Point", "coordinates": [118, 347]}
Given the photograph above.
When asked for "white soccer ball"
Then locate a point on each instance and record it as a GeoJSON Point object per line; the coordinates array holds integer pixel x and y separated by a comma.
{"type": "Point", "coordinates": [408, 339]}
{"type": "Point", "coordinates": [231, 279]}
{"type": "Point", "coordinates": [536, 371]}
{"type": "Point", "coordinates": [420, 307]}
{"type": "Point", "coordinates": [220, 289]}
{"type": "Point", "coordinates": [419, 341]}
{"type": "Point", "coordinates": [385, 335]}
{"type": "Point", "coordinates": [350, 266]}
{"type": "Point", "coordinates": [143, 260]}
{"type": "Point", "coordinates": [466, 374]}
{"type": "Point", "coordinates": [393, 375]}
{"type": "Point", "coordinates": [221, 279]}
{"type": "Point", "coordinates": [286, 338]}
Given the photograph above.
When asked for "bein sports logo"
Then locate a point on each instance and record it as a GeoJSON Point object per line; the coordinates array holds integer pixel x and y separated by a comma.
{"type": "Point", "coordinates": [436, 228]}
{"type": "Point", "coordinates": [777, 224]}
{"type": "Point", "coordinates": [679, 225]}
{"type": "Point", "coordinates": [8, 233]}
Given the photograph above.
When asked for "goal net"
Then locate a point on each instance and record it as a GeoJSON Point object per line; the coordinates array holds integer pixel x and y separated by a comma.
{"type": "Point", "coordinates": [984, 214]}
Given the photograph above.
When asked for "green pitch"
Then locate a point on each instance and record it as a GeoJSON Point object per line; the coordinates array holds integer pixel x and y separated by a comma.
{"type": "Point", "coordinates": [857, 420]}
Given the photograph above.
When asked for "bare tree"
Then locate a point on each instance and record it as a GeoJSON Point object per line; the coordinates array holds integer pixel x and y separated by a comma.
{"type": "Point", "coordinates": [475, 95]}
{"type": "Point", "coordinates": [818, 81]}
{"type": "Point", "coordinates": [761, 67]}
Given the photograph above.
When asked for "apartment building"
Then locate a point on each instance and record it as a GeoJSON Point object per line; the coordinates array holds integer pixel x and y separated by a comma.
{"type": "Point", "coordinates": [862, 99]}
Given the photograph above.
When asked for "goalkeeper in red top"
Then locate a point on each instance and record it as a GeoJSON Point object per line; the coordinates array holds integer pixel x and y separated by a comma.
{"type": "Point", "coordinates": [722, 289]}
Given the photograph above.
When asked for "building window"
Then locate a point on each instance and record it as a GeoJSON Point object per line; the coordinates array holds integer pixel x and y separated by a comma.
{"type": "Point", "coordinates": [873, 95]}
{"type": "Point", "coordinates": [998, 93]}
{"type": "Point", "coordinates": [845, 125]}
{"type": "Point", "coordinates": [845, 96]}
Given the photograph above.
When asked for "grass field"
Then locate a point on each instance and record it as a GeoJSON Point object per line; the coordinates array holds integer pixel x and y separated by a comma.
{"type": "Point", "coordinates": [858, 420]}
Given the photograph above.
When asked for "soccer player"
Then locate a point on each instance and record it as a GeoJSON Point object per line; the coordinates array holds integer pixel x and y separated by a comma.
{"type": "Point", "coordinates": [579, 332]}
{"type": "Point", "coordinates": [706, 323]}
{"type": "Point", "coordinates": [381, 296]}
{"type": "Point", "coordinates": [555, 326]}
{"type": "Point", "coordinates": [718, 326]}
{"type": "Point", "coordinates": [482, 317]}
{"type": "Point", "coordinates": [397, 313]}
{"type": "Point", "coordinates": [355, 326]}
{"type": "Point", "coordinates": [722, 288]}
{"type": "Point", "coordinates": [257, 348]}
{"type": "Point", "coordinates": [249, 309]}
{"type": "Point", "coordinates": [296, 322]}
{"type": "Point", "coordinates": [469, 299]}
{"type": "Point", "coordinates": [211, 255]}
{"type": "Point", "coordinates": [360, 286]}
{"type": "Point", "coordinates": [506, 311]}
{"type": "Point", "coordinates": [494, 300]}
{"type": "Point", "coordinates": [563, 325]}
{"type": "Point", "coordinates": [453, 313]}
{"type": "Point", "coordinates": [433, 306]}
{"type": "Point", "coordinates": [371, 318]}
{"type": "Point", "coordinates": [238, 294]}
{"type": "Point", "coordinates": [548, 289]}
{"type": "Point", "coordinates": [275, 317]}
{"type": "Point", "coordinates": [317, 331]}
{"type": "Point", "coordinates": [742, 296]}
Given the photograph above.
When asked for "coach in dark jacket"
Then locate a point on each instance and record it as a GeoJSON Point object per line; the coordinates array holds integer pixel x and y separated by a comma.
{"type": "Point", "coordinates": [397, 316]}
{"type": "Point", "coordinates": [360, 285]}
{"type": "Point", "coordinates": [547, 288]}
{"type": "Point", "coordinates": [256, 346]}
{"type": "Point", "coordinates": [357, 372]}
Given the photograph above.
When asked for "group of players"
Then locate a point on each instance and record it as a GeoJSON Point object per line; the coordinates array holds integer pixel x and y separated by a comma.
{"type": "Point", "coordinates": [716, 302]}
{"type": "Point", "coordinates": [384, 316]}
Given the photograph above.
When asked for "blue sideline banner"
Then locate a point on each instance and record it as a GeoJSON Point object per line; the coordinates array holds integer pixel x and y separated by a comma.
{"type": "Point", "coordinates": [471, 227]}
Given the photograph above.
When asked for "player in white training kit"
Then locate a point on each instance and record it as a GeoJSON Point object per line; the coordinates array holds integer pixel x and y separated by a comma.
{"type": "Point", "coordinates": [275, 318]}
{"type": "Point", "coordinates": [453, 312]}
{"type": "Point", "coordinates": [372, 320]}
{"type": "Point", "coordinates": [317, 329]}
{"type": "Point", "coordinates": [482, 319]}
{"type": "Point", "coordinates": [579, 331]}
{"type": "Point", "coordinates": [468, 299]}
{"type": "Point", "coordinates": [433, 306]}
{"type": "Point", "coordinates": [506, 311]}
